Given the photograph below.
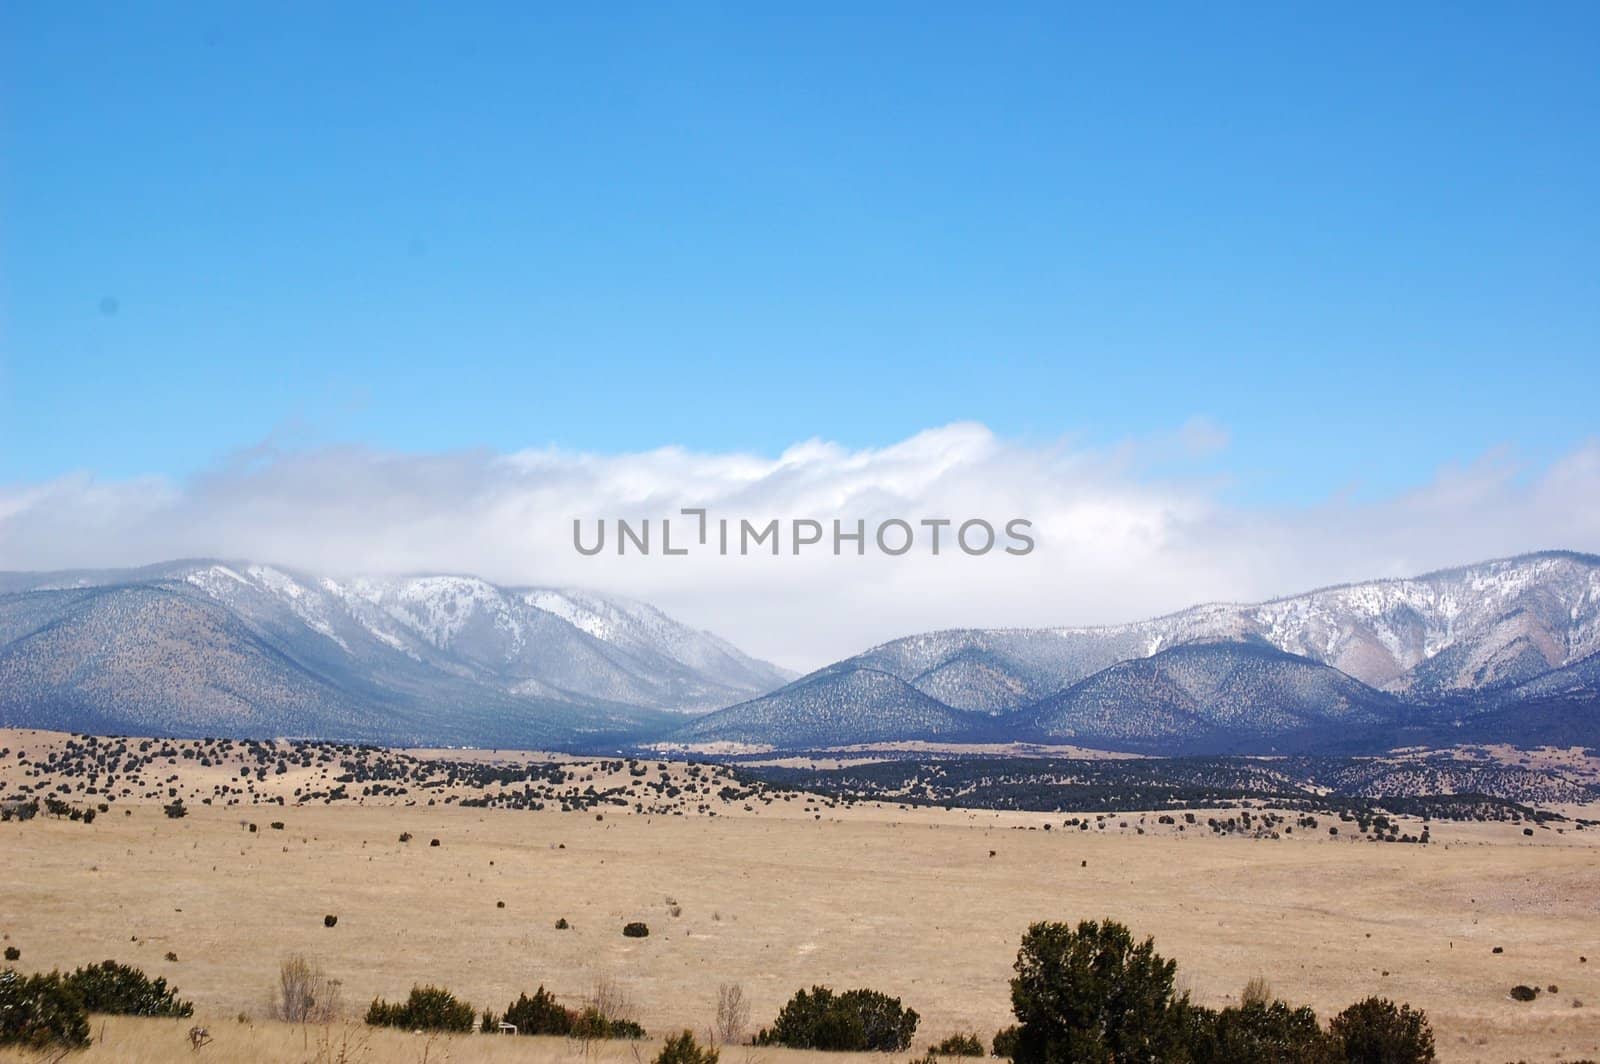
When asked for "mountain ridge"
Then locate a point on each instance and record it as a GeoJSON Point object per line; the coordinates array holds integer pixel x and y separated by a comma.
{"type": "Point", "coordinates": [1426, 652]}
{"type": "Point", "coordinates": [418, 659]}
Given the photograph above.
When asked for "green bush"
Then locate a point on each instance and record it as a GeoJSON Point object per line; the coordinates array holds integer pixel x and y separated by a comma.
{"type": "Point", "coordinates": [592, 1024]}
{"type": "Point", "coordinates": [856, 1020]}
{"type": "Point", "coordinates": [958, 1045]}
{"type": "Point", "coordinates": [628, 1029]}
{"type": "Point", "coordinates": [1090, 993]}
{"type": "Point", "coordinates": [540, 1014]}
{"type": "Point", "coordinates": [123, 990]}
{"type": "Point", "coordinates": [1005, 1043]}
{"type": "Point", "coordinates": [683, 1049]}
{"type": "Point", "coordinates": [41, 1012]}
{"type": "Point", "coordinates": [1255, 1033]}
{"type": "Point", "coordinates": [429, 1008]}
{"type": "Point", "coordinates": [1377, 1031]}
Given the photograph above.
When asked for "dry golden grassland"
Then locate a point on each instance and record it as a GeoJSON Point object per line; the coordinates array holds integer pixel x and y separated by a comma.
{"type": "Point", "coordinates": [908, 901]}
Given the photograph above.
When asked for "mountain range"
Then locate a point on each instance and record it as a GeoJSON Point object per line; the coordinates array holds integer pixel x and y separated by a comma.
{"type": "Point", "coordinates": [241, 649]}
{"type": "Point", "coordinates": [1505, 650]}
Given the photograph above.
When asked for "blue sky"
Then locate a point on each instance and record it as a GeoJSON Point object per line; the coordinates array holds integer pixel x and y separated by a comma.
{"type": "Point", "coordinates": [1362, 240]}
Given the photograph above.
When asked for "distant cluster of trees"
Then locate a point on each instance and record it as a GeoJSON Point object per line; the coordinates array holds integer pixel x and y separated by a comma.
{"type": "Point", "coordinates": [1340, 786]}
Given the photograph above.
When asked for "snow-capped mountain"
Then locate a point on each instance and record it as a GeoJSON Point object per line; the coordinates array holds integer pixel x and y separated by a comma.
{"type": "Point", "coordinates": [1495, 624]}
{"type": "Point", "coordinates": [240, 646]}
{"type": "Point", "coordinates": [1459, 648]}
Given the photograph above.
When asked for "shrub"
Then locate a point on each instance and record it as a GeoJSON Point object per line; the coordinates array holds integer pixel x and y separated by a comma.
{"type": "Point", "coordinates": [304, 993]}
{"type": "Point", "coordinates": [429, 1008]}
{"type": "Point", "coordinates": [635, 930]}
{"type": "Point", "coordinates": [1005, 1043]}
{"type": "Point", "coordinates": [856, 1020]}
{"type": "Point", "coordinates": [1255, 1033]}
{"type": "Point", "coordinates": [1377, 1031]}
{"type": "Point", "coordinates": [683, 1049]}
{"type": "Point", "coordinates": [176, 810]}
{"type": "Point", "coordinates": [1524, 993]}
{"type": "Point", "coordinates": [627, 1029]}
{"type": "Point", "coordinates": [1256, 992]}
{"type": "Point", "coordinates": [540, 1014]}
{"type": "Point", "coordinates": [41, 1012]}
{"type": "Point", "coordinates": [122, 990]}
{"type": "Point", "coordinates": [1091, 993]}
{"type": "Point", "coordinates": [959, 1045]}
{"type": "Point", "coordinates": [562, 925]}
{"type": "Point", "coordinates": [329, 920]}
{"type": "Point", "coordinates": [592, 1024]}
{"type": "Point", "coordinates": [13, 953]}
{"type": "Point", "coordinates": [606, 1013]}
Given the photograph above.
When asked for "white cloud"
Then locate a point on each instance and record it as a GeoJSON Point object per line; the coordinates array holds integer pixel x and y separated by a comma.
{"type": "Point", "coordinates": [1115, 541]}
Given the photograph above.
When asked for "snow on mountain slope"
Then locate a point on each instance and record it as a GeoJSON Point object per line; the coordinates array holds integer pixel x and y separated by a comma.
{"type": "Point", "coordinates": [426, 658]}
{"type": "Point", "coordinates": [856, 705]}
{"type": "Point", "coordinates": [641, 628]}
{"type": "Point", "coordinates": [1213, 696]}
{"type": "Point", "coordinates": [1478, 627]}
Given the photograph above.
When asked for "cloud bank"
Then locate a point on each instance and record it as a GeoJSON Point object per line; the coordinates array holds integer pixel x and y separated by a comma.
{"type": "Point", "coordinates": [1116, 540]}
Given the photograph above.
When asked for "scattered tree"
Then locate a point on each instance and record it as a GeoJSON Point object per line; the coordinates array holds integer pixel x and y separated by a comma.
{"type": "Point", "coordinates": [1377, 1031]}
{"type": "Point", "coordinates": [1091, 993]}
{"type": "Point", "coordinates": [733, 1013]}
{"type": "Point", "coordinates": [304, 993]}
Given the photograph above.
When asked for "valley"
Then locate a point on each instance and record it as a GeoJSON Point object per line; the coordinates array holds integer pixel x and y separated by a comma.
{"type": "Point", "coordinates": [766, 886]}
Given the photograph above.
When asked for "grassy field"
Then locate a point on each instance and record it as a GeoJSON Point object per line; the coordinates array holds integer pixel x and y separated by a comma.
{"type": "Point", "coordinates": [925, 904]}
